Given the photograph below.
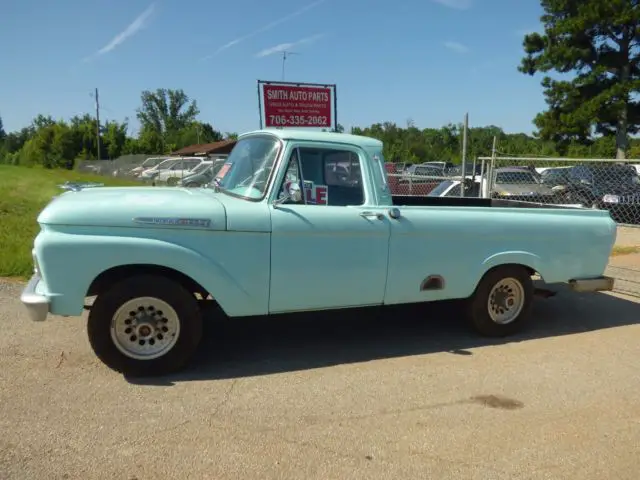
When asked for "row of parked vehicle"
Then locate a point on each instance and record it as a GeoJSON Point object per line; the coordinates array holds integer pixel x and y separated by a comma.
{"type": "Point", "coordinates": [614, 186]}
{"type": "Point", "coordinates": [179, 171]}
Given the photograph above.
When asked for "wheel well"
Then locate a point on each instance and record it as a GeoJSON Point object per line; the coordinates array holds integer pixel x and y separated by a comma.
{"type": "Point", "coordinates": [115, 274]}
{"type": "Point", "coordinates": [529, 270]}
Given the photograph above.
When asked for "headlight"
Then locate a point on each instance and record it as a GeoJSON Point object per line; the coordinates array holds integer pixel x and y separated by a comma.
{"type": "Point", "coordinates": [611, 199]}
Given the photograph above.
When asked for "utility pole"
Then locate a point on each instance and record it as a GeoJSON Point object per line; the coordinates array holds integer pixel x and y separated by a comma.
{"type": "Point", "coordinates": [464, 153]}
{"type": "Point", "coordinates": [98, 122]}
{"type": "Point", "coordinates": [284, 59]}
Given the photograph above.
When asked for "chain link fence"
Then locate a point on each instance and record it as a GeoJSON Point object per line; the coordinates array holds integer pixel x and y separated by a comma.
{"type": "Point", "coordinates": [127, 166]}
{"type": "Point", "coordinates": [426, 178]}
{"type": "Point", "coordinates": [605, 184]}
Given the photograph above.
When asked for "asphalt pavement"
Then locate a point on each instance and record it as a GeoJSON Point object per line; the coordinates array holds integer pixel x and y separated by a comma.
{"type": "Point", "coordinates": [402, 394]}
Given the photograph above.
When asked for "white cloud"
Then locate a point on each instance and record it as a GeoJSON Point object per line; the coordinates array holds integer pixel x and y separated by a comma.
{"type": "Point", "coordinates": [264, 28]}
{"type": "Point", "coordinates": [282, 47]}
{"type": "Point", "coordinates": [455, 4]}
{"type": "Point", "coordinates": [134, 27]}
{"type": "Point", "coordinates": [456, 47]}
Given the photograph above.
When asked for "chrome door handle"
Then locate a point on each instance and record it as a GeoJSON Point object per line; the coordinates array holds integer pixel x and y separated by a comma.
{"type": "Point", "coordinates": [367, 214]}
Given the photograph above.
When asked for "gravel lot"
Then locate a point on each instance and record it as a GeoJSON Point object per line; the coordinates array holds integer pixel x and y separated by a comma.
{"type": "Point", "coordinates": [394, 396]}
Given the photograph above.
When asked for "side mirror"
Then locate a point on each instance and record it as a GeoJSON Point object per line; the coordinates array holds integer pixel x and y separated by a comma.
{"type": "Point", "coordinates": [295, 192]}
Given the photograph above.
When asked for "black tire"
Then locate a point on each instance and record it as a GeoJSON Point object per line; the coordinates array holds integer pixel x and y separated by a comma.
{"type": "Point", "coordinates": [183, 303]}
{"type": "Point", "coordinates": [478, 306]}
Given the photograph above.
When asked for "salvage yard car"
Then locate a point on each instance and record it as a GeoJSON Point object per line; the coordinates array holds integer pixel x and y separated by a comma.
{"type": "Point", "coordinates": [299, 221]}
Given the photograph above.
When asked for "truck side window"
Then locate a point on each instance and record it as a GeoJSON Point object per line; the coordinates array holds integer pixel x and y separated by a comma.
{"type": "Point", "coordinates": [331, 176]}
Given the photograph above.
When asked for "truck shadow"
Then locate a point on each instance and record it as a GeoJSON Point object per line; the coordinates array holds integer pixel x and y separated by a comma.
{"type": "Point", "coordinates": [243, 347]}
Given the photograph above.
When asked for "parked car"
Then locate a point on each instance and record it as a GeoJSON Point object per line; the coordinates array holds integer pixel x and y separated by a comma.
{"type": "Point", "coordinates": [453, 188]}
{"type": "Point", "coordinates": [202, 174]}
{"type": "Point", "coordinates": [151, 173]}
{"type": "Point", "coordinates": [178, 170]}
{"type": "Point", "coordinates": [259, 243]}
{"type": "Point", "coordinates": [554, 176]}
{"type": "Point", "coordinates": [519, 183]}
{"type": "Point", "coordinates": [419, 179]}
{"type": "Point", "coordinates": [613, 187]}
{"type": "Point", "coordinates": [148, 163]}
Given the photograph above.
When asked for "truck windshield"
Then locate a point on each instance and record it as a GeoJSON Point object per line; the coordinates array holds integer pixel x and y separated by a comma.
{"type": "Point", "coordinates": [248, 168]}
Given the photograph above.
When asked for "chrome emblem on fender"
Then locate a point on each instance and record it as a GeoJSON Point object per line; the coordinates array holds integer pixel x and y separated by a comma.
{"type": "Point", "coordinates": [174, 221]}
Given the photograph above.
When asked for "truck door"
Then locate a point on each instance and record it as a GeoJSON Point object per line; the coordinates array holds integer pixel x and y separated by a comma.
{"type": "Point", "coordinates": [328, 250]}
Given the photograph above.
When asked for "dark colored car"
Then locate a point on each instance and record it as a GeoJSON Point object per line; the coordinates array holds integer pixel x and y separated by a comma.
{"type": "Point", "coordinates": [555, 176]}
{"type": "Point", "coordinates": [610, 187]}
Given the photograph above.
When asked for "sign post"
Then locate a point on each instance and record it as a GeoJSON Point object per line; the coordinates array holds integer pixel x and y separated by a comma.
{"type": "Point", "coordinates": [297, 105]}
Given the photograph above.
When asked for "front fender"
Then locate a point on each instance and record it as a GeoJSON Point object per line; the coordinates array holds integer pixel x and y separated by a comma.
{"type": "Point", "coordinates": [69, 263]}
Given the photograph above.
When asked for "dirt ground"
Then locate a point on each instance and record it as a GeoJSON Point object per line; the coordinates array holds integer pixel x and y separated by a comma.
{"type": "Point", "coordinates": [401, 395]}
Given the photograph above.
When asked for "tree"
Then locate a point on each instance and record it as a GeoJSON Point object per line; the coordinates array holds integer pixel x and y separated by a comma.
{"type": "Point", "coordinates": [598, 42]}
{"type": "Point", "coordinates": [165, 112]}
{"type": "Point", "coordinates": [3, 134]}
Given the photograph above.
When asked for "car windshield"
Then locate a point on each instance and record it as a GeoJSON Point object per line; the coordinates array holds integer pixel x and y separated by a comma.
{"type": "Point", "coordinates": [166, 164]}
{"type": "Point", "coordinates": [150, 162]}
{"type": "Point", "coordinates": [436, 192]}
{"type": "Point", "coordinates": [201, 168]}
{"type": "Point", "coordinates": [247, 169]}
{"type": "Point", "coordinates": [615, 174]}
{"type": "Point", "coordinates": [515, 177]}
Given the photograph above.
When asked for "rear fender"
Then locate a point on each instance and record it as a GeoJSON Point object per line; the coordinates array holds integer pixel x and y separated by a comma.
{"type": "Point", "coordinates": [527, 259]}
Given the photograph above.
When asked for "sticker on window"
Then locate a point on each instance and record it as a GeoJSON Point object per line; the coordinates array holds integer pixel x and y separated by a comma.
{"type": "Point", "coordinates": [316, 194]}
{"type": "Point", "coordinates": [223, 171]}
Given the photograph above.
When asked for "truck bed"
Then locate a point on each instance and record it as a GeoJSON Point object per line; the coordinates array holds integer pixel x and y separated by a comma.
{"type": "Point", "coordinates": [425, 201]}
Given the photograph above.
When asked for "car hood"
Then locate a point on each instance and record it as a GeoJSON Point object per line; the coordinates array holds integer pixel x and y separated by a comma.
{"type": "Point", "coordinates": [523, 189]}
{"type": "Point", "coordinates": [148, 207]}
{"type": "Point", "coordinates": [616, 188]}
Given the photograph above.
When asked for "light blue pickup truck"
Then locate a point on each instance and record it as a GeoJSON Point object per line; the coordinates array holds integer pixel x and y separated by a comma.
{"type": "Point", "coordinates": [295, 221]}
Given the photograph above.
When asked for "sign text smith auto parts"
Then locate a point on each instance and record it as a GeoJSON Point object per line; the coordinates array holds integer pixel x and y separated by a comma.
{"type": "Point", "coordinates": [297, 105]}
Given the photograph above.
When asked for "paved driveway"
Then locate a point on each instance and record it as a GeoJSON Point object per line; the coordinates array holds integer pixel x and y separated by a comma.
{"type": "Point", "coordinates": [408, 394]}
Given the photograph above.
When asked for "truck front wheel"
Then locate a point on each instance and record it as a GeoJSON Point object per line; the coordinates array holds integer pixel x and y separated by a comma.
{"type": "Point", "coordinates": [501, 304]}
{"type": "Point", "coordinates": [145, 325]}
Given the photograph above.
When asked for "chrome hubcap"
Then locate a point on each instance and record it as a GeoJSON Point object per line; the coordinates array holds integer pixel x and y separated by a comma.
{"type": "Point", "coordinates": [506, 301]}
{"type": "Point", "coordinates": [145, 328]}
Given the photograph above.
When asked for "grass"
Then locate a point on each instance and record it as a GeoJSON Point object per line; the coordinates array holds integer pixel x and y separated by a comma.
{"type": "Point", "coordinates": [624, 250]}
{"type": "Point", "coordinates": [24, 192]}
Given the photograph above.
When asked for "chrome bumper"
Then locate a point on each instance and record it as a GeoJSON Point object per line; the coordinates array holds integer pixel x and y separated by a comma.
{"type": "Point", "coordinates": [36, 303]}
{"type": "Point", "coordinates": [598, 284]}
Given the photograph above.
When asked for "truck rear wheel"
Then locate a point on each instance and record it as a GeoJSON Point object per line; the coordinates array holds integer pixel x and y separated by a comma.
{"type": "Point", "coordinates": [501, 304]}
{"type": "Point", "coordinates": [145, 325]}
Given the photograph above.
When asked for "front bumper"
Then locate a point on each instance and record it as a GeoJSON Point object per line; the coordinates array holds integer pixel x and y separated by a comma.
{"type": "Point", "coordinates": [37, 304]}
{"type": "Point", "coordinates": [597, 284]}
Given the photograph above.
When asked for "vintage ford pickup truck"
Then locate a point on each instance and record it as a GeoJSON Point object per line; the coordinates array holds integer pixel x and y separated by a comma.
{"type": "Point", "coordinates": [295, 221]}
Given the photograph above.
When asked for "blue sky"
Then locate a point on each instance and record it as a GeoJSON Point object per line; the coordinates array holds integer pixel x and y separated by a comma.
{"type": "Point", "coordinates": [426, 60]}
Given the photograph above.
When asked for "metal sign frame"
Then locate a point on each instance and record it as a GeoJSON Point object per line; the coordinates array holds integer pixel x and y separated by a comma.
{"type": "Point", "coordinates": [332, 86]}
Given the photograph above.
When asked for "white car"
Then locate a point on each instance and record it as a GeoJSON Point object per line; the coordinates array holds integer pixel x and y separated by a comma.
{"type": "Point", "coordinates": [151, 173]}
{"type": "Point", "coordinates": [147, 164]}
{"type": "Point", "coordinates": [179, 169]}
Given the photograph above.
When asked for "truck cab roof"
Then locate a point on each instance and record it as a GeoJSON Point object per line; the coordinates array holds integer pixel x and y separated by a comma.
{"type": "Point", "coordinates": [315, 136]}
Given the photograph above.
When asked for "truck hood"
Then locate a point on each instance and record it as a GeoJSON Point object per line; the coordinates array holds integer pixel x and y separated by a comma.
{"type": "Point", "coordinates": [147, 207]}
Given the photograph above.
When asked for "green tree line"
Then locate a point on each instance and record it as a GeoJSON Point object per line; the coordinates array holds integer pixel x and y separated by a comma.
{"type": "Point", "coordinates": [167, 118]}
{"type": "Point", "coordinates": [593, 104]}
